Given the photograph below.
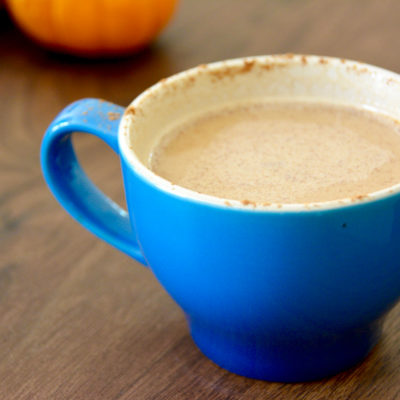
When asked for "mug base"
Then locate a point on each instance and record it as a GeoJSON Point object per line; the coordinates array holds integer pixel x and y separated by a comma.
{"type": "Point", "coordinates": [282, 359]}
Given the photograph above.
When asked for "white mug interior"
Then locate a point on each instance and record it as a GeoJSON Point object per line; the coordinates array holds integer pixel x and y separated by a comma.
{"type": "Point", "coordinates": [208, 87]}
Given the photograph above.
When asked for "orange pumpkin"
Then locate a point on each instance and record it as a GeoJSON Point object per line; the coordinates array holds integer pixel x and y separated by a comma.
{"type": "Point", "coordinates": [92, 27]}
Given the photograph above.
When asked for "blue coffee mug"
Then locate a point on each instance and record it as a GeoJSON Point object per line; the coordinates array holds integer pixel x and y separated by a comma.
{"type": "Point", "coordinates": [281, 292]}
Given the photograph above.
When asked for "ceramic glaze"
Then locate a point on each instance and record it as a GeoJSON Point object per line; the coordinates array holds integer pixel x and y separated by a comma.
{"type": "Point", "coordinates": [281, 292]}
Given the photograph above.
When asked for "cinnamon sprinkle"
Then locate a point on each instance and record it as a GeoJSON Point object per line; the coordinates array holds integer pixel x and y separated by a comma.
{"type": "Point", "coordinates": [113, 116]}
{"type": "Point", "coordinates": [130, 111]}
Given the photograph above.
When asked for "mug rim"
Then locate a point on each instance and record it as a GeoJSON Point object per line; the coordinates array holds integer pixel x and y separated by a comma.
{"type": "Point", "coordinates": [164, 185]}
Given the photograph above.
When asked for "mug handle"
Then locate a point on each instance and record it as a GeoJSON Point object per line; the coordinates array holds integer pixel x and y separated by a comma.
{"type": "Point", "coordinates": [69, 183]}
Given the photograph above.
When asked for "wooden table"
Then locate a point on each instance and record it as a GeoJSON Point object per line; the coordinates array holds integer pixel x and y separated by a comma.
{"type": "Point", "coordinates": [78, 319]}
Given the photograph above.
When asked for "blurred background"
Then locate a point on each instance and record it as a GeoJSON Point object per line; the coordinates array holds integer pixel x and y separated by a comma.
{"type": "Point", "coordinates": [205, 31]}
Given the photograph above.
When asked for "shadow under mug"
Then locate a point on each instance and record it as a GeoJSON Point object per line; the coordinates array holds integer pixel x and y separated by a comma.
{"type": "Point", "coordinates": [279, 292]}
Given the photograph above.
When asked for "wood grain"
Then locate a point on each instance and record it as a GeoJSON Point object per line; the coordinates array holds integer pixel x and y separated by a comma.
{"type": "Point", "coordinates": [79, 320]}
